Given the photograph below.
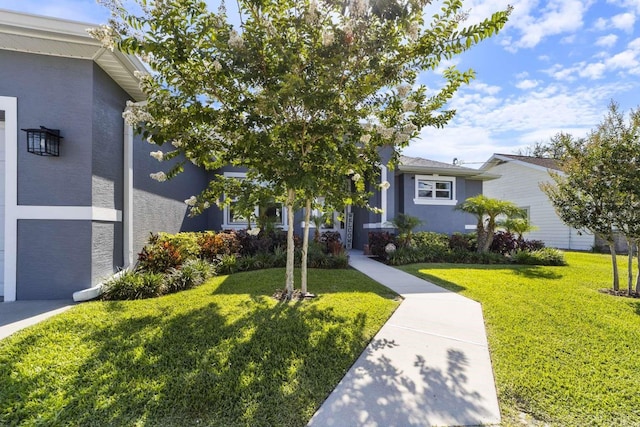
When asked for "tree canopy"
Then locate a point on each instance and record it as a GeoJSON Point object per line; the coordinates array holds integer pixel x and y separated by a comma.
{"type": "Point", "coordinates": [304, 94]}
{"type": "Point", "coordinates": [599, 188]}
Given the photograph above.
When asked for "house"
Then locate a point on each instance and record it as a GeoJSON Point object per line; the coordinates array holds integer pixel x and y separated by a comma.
{"type": "Point", "coordinates": [78, 211]}
{"type": "Point", "coordinates": [519, 182]}
{"type": "Point", "coordinates": [426, 189]}
{"type": "Point", "coordinates": [72, 220]}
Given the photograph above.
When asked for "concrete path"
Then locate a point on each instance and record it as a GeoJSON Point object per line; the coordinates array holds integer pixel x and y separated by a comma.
{"type": "Point", "coordinates": [429, 365]}
{"type": "Point", "coordinates": [20, 314]}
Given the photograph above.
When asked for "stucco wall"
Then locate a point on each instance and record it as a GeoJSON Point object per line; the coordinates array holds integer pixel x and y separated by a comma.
{"type": "Point", "coordinates": [159, 206]}
{"type": "Point", "coordinates": [56, 93]}
{"type": "Point", "coordinates": [54, 258]}
{"type": "Point", "coordinates": [107, 153]}
{"type": "Point", "coordinates": [439, 218]}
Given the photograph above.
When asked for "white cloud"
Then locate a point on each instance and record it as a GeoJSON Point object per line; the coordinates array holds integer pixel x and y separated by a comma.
{"type": "Point", "coordinates": [527, 84]}
{"type": "Point", "coordinates": [593, 71]}
{"type": "Point", "coordinates": [623, 60]}
{"type": "Point", "coordinates": [607, 41]}
{"type": "Point", "coordinates": [558, 17]}
{"type": "Point", "coordinates": [486, 126]}
{"type": "Point", "coordinates": [600, 24]}
{"type": "Point", "coordinates": [624, 21]}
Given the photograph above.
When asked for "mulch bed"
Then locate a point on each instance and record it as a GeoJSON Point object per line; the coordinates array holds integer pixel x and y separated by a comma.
{"type": "Point", "coordinates": [620, 293]}
{"type": "Point", "coordinates": [282, 295]}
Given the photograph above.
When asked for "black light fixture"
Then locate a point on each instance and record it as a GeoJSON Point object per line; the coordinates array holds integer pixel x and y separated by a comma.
{"type": "Point", "coordinates": [43, 141]}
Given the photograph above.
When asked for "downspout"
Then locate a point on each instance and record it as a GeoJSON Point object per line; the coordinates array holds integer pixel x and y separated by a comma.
{"type": "Point", "coordinates": [127, 218]}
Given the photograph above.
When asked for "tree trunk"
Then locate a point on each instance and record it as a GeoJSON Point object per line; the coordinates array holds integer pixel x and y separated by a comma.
{"type": "Point", "coordinates": [614, 263]}
{"type": "Point", "coordinates": [638, 261]}
{"type": "Point", "coordinates": [305, 247]}
{"type": "Point", "coordinates": [630, 267]}
{"type": "Point", "coordinates": [291, 194]}
{"type": "Point", "coordinates": [480, 235]}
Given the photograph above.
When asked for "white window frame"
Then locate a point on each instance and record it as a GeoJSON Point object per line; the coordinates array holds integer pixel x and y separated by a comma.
{"type": "Point", "coordinates": [228, 225]}
{"type": "Point", "coordinates": [434, 200]}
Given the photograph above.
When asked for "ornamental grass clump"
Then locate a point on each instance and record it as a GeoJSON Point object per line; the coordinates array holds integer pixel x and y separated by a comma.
{"type": "Point", "coordinates": [131, 285]}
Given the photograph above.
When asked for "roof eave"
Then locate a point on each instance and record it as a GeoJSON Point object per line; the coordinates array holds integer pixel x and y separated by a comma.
{"type": "Point", "coordinates": [67, 35]}
{"type": "Point", "coordinates": [466, 173]}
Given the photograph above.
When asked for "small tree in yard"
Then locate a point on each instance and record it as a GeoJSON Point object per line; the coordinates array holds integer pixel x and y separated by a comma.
{"type": "Point", "coordinates": [487, 210]}
{"type": "Point", "coordinates": [303, 95]}
{"type": "Point", "coordinates": [599, 189]}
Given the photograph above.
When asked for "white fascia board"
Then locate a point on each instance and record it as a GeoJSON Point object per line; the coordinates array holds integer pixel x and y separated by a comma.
{"type": "Point", "coordinates": [489, 164]}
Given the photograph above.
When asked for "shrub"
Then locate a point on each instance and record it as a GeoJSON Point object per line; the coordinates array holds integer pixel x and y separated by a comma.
{"type": "Point", "coordinates": [332, 242]}
{"type": "Point", "coordinates": [544, 256]}
{"type": "Point", "coordinates": [378, 240]}
{"type": "Point", "coordinates": [531, 245]}
{"type": "Point", "coordinates": [165, 251]}
{"type": "Point", "coordinates": [406, 255]}
{"type": "Point", "coordinates": [193, 273]}
{"type": "Point", "coordinates": [130, 285]}
{"type": "Point", "coordinates": [227, 264]}
{"type": "Point", "coordinates": [503, 242]}
{"type": "Point", "coordinates": [252, 244]}
{"type": "Point", "coordinates": [463, 242]}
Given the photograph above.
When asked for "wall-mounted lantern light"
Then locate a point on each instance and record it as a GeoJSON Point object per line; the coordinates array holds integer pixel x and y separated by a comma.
{"type": "Point", "coordinates": [43, 141]}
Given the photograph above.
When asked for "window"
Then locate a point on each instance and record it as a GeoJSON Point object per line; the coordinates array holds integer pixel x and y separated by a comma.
{"type": "Point", "coordinates": [435, 190]}
{"type": "Point", "coordinates": [272, 211]}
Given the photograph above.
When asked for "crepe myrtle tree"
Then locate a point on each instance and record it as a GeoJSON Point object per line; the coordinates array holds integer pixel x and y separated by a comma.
{"type": "Point", "coordinates": [590, 193]}
{"type": "Point", "coordinates": [303, 94]}
{"type": "Point", "coordinates": [600, 188]}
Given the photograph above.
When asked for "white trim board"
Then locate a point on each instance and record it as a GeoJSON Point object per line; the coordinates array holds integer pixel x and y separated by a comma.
{"type": "Point", "coordinates": [10, 107]}
{"type": "Point", "coordinates": [83, 213]}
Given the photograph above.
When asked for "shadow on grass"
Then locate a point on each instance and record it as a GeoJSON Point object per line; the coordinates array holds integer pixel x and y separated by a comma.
{"type": "Point", "coordinates": [320, 282]}
{"type": "Point", "coordinates": [272, 365]}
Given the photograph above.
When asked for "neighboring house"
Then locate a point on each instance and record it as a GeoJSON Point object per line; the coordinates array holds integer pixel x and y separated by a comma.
{"type": "Point", "coordinates": [73, 220]}
{"type": "Point", "coordinates": [519, 182]}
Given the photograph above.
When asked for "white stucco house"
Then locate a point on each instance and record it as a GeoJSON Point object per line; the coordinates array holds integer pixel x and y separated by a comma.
{"type": "Point", "coordinates": [519, 182]}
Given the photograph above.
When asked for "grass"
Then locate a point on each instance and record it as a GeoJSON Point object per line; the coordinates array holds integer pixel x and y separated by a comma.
{"type": "Point", "coordinates": [562, 352]}
{"type": "Point", "coordinates": [224, 354]}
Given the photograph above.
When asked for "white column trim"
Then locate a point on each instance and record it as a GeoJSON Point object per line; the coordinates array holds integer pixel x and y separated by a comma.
{"type": "Point", "coordinates": [127, 218]}
{"type": "Point", "coordinates": [383, 194]}
{"type": "Point", "coordinates": [10, 107]}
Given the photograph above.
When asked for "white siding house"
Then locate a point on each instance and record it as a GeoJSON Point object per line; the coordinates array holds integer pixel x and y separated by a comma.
{"type": "Point", "coordinates": [519, 182]}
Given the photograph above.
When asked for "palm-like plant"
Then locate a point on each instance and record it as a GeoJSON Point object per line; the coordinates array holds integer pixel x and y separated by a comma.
{"type": "Point", "coordinates": [486, 210]}
{"type": "Point", "coordinates": [516, 225]}
{"type": "Point", "coordinates": [405, 225]}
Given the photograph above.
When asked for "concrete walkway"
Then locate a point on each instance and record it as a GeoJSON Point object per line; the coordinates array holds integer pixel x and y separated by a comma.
{"type": "Point", "coordinates": [429, 365]}
{"type": "Point", "coordinates": [20, 314]}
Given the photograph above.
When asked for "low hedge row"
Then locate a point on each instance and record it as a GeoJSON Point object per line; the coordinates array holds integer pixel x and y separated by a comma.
{"type": "Point", "coordinates": [461, 248]}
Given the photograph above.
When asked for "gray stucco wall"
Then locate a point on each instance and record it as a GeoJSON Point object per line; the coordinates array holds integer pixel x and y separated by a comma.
{"type": "Point", "coordinates": [107, 153]}
{"type": "Point", "coordinates": [159, 206]}
{"type": "Point", "coordinates": [56, 93]}
{"type": "Point", "coordinates": [106, 250]}
{"type": "Point", "coordinates": [54, 258]}
{"type": "Point", "coordinates": [439, 218]}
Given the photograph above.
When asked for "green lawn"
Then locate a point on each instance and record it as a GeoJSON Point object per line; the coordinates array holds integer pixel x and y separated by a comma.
{"type": "Point", "coordinates": [562, 352]}
{"type": "Point", "coordinates": [224, 354]}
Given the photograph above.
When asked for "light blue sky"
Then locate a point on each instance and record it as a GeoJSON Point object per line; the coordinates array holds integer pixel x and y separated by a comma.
{"type": "Point", "coordinates": [555, 66]}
